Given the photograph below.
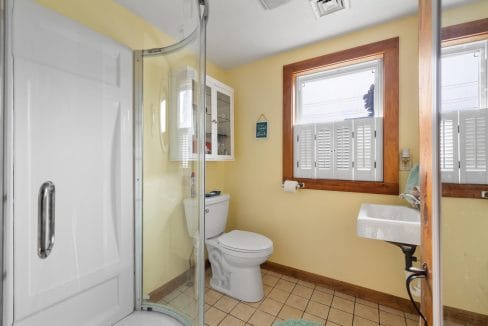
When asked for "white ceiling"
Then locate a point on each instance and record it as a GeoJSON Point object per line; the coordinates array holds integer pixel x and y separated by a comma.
{"type": "Point", "coordinates": [241, 31]}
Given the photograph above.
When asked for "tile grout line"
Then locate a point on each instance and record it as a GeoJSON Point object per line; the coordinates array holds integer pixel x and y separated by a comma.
{"type": "Point", "coordinates": [309, 300]}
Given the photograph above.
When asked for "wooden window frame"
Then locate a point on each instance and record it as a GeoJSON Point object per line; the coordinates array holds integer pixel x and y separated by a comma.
{"type": "Point", "coordinates": [388, 50]}
{"type": "Point", "coordinates": [452, 35]}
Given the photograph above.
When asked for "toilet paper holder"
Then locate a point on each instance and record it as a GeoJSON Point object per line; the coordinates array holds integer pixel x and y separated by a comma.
{"type": "Point", "coordinates": [300, 185]}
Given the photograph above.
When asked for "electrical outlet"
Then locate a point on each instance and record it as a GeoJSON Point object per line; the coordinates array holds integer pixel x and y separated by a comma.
{"type": "Point", "coordinates": [484, 194]}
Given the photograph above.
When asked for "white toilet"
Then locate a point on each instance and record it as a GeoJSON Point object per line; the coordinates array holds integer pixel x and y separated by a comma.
{"type": "Point", "coordinates": [234, 256]}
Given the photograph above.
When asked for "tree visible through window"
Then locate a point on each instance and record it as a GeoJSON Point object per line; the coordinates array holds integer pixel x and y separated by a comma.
{"type": "Point", "coordinates": [369, 101]}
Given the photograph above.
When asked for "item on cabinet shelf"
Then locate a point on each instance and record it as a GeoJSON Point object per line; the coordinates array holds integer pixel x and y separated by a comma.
{"type": "Point", "coordinates": [262, 127]}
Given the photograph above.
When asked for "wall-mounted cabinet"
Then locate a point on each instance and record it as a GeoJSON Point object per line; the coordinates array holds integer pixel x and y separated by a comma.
{"type": "Point", "coordinates": [219, 118]}
{"type": "Point", "coordinates": [219, 121]}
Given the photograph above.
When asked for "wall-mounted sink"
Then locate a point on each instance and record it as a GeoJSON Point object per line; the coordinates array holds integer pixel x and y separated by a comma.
{"type": "Point", "coordinates": [392, 223]}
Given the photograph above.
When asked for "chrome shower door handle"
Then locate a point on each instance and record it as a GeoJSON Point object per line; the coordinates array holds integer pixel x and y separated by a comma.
{"type": "Point", "coordinates": [46, 219]}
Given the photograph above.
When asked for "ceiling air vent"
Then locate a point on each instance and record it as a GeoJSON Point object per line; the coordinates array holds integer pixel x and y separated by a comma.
{"type": "Point", "coordinates": [325, 7]}
{"type": "Point", "coordinates": [271, 4]}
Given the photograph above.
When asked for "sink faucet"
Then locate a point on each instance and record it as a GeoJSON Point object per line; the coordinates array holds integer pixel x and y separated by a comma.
{"type": "Point", "coordinates": [411, 199]}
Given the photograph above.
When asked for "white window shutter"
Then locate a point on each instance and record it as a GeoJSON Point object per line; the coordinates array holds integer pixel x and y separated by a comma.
{"type": "Point", "coordinates": [379, 148]}
{"type": "Point", "coordinates": [473, 136]}
{"type": "Point", "coordinates": [449, 159]}
{"type": "Point", "coordinates": [324, 150]}
{"type": "Point", "coordinates": [364, 149]}
{"type": "Point", "coordinates": [343, 155]}
{"type": "Point", "coordinates": [304, 151]}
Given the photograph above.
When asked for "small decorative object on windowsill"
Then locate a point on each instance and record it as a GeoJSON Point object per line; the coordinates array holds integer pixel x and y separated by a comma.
{"type": "Point", "coordinates": [262, 127]}
{"type": "Point", "coordinates": [405, 160]}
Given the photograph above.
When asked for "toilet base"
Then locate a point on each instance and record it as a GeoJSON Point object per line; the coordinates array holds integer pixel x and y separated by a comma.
{"type": "Point", "coordinates": [245, 285]}
{"type": "Point", "coordinates": [236, 274]}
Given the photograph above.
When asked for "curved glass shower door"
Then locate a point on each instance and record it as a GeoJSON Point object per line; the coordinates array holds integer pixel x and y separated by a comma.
{"type": "Point", "coordinates": [169, 185]}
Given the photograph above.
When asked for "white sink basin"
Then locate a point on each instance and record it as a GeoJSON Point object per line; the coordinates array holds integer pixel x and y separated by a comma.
{"type": "Point", "coordinates": [389, 223]}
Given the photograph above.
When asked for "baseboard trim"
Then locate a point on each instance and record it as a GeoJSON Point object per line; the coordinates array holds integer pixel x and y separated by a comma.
{"type": "Point", "coordinates": [382, 298]}
{"type": "Point", "coordinates": [464, 316]}
{"type": "Point", "coordinates": [159, 293]}
{"type": "Point", "coordinates": [385, 299]}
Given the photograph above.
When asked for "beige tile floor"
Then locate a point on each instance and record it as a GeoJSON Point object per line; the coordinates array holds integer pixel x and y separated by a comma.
{"type": "Point", "coordinates": [289, 298]}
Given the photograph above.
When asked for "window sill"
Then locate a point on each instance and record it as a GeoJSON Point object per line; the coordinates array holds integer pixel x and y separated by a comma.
{"type": "Point", "coordinates": [463, 190]}
{"type": "Point", "coordinates": [350, 186]}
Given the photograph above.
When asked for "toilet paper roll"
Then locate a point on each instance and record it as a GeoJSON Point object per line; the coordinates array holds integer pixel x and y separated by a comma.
{"type": "Point", "coordinates": [290, 186]}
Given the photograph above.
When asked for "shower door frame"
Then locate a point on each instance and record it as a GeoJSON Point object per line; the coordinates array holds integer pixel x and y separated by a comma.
{"type": "Point", "coordinates": [138, 151]}
{"type": "Point", "coordinates": [6, 163]}
{"type": "Point", "coordinates": [3, 125]}
{"type": "Point", "coordinates": [138, 145]}
{"type": "Point", "coordinates": [429, 99]}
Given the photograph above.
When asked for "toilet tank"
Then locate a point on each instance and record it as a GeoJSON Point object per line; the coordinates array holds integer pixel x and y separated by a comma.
{"type": "Point", "coordinates": [216, 210]}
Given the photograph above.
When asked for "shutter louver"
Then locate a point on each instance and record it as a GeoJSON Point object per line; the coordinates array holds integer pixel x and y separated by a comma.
{"type": "Point", "coordinates": [449, 148]}
{"type": "Point", "coordinates": [324, 149]}
{"type": "Point", "coordinates": [473, 137]}
{"type": "Point", "coordinates": [304, 151]}
{"type": "Point", "coordinates": [364, 149]}
{"type": "Point", "coordinates": [183, 149]}
{"type": "Point", "coordinates": [343, 150]}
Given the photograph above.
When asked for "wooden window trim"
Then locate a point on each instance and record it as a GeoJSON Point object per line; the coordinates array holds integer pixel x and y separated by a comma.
{"type": "Point", "coordinates": [388, 50]}
{"type": "Point", "coordinates": [457, 34]}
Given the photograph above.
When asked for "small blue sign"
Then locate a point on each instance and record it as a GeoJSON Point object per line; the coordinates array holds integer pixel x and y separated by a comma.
{"type": "Point", "coordinates": [262, 129]}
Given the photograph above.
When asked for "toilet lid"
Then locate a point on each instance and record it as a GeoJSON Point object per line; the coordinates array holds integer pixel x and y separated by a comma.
{"type": "Point", "coordinates": [245, 241]}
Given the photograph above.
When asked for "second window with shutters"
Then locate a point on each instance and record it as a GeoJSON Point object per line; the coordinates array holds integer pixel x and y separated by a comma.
{"type": "Point", "coordinates": [337, 109]}
{"type": "Point", "coordinates": [464, 113]}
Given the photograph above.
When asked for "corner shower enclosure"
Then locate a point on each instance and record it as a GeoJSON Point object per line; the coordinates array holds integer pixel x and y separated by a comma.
{"type": "Point", "coordinates": [102, 144]}
{"type": "Point", "coordinates": [169, 137]}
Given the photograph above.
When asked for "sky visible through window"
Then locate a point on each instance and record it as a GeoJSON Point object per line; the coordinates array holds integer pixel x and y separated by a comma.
{"type": "Point", "coordinates": [461, 81]}
{"type": "Point", "coordinates": [337, 97]}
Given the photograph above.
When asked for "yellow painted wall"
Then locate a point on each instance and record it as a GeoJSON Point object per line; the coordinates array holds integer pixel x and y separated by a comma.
{"type": "Point", "coordinates": [465, 223]}
{"type": "Point", "coordinates": [167, 246]}
{"type": "Point", "coordinates": [314, 230]}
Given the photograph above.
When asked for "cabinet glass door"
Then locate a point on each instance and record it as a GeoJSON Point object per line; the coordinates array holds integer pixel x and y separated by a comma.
{"type": "Point", "coordinates": [208, 121]}
{"type": "Point", "coordinates": [224, 124]}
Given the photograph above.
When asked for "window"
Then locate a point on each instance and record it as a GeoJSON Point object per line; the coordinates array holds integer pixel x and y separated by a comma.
{"type": "Point", "coordinates": [338, 125]}
{"type": "Point", "coordinates": [464, 109]}
{"type": "Point", "coordinates": [336, 109]}
{"type": "Point", "coordinates": [464, 114]}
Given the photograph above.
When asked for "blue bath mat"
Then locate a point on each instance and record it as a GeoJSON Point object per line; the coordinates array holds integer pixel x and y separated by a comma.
{"type": "Point", "coordinates": [296, 322]}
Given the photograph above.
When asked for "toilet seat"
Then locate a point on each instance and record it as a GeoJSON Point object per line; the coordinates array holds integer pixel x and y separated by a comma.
{"type": "Point", "coordinates": [244, 241]}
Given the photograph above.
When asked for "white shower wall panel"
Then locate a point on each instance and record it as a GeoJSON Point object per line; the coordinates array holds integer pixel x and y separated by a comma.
{"type": "Point", "coordinates": [73, 127]}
